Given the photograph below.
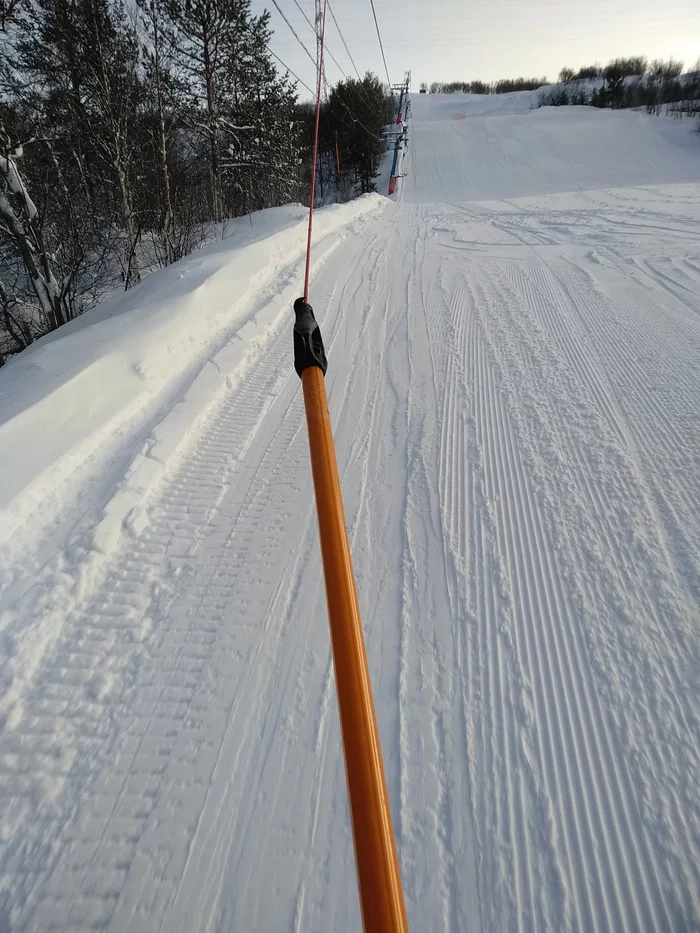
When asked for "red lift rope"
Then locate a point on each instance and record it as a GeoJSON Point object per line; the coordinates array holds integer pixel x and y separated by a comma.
{"type": "Point", "coordinates": [378, 876]}
{"type": "Point", "coordinates": [315, 156]}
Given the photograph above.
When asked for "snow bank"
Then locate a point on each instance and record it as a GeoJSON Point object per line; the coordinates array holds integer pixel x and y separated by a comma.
{"type": "Point", "coordinates": [70, 396]}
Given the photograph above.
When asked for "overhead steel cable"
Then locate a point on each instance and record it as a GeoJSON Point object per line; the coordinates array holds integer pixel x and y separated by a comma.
{"type": "Point", "coordinates": [313, 93]}
{"type": "Point", "coordinates": [296, 36]}
{"type": "Point", "coordinates": [359, 122]}
{"type": "Point", "coordinates": [294, 33]}
{"type": "Point", "coordinates": [337, 63]}
{"type": "Point", "coordinates": [303, 13]}
{"type": "Point", "coordinates": [361, 88]}
{"type": "Point", "coordinates": [320, 33]}
{"type": "Point", "coordinates": [328, 51]}
{"type": "Point", "coordinates": [381, 45]}
{"type": "Point", "coordinates": [295, 76]}
{"type": "Point", "coordinates": [342, 39]}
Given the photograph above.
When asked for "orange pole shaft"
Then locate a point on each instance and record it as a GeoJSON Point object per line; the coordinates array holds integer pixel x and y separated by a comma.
{"type": "Point", "coordinates": [379, 881]}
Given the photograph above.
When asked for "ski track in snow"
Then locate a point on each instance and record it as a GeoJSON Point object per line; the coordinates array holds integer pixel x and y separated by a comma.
{"type": "Point", "coordinates": [514, 391]}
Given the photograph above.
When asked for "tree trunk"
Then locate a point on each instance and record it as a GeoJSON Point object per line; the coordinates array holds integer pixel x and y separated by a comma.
{"type": "Point", "coordinates": [211, 113]}
{"type": "Point", "coordinates": [25, 229]}
{"type": "Point", "coordinates": [168, 222]}
{"type": "Point", "coordinates": [117, 145]}
{"type": "Point", "coordinates": [132, 273]}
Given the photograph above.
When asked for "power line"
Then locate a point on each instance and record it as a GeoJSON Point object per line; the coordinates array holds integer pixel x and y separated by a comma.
{"type": "Point", "coordinates": [328, 51]}
{"type": "Point", "coordinates": [337, 63]}
{"type": "Point", "coordinates": [379, 36]}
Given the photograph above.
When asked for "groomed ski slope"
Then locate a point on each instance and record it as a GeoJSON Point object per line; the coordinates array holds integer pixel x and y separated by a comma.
{"type": "Point", "coordinates": [514, 383]}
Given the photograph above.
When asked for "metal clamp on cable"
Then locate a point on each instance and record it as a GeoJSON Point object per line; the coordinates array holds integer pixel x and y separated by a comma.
{"type": "Point", "coordinates": [308, 343]}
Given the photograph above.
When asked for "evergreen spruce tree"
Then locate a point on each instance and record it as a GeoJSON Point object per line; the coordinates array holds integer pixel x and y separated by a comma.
{"type": "Point", "coordinates": [357, 111]}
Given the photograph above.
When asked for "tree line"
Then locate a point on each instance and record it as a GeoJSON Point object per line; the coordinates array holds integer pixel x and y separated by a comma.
{"type": "Point", "coordinates": [128, 135]}
{"type": "Point", "coordinates": [504, 86]}
{"type": "Point", "coordinates": [122, 135]}
{"type": "Point", "coordinates": [623, 82]}
{"type": "Point", "coordinates": [629, 82]}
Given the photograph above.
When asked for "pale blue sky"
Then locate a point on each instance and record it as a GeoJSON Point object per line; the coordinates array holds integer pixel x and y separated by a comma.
{"type": "Point", "coordinates": [444, 40]}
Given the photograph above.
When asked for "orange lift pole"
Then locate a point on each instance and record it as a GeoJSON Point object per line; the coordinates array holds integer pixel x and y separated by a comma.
{"type": "Point", "coordinates": [379, 880]}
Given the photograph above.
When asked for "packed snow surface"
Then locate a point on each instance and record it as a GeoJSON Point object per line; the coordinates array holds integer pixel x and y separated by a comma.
{"type": "Point", "coordinates": [514, 383]}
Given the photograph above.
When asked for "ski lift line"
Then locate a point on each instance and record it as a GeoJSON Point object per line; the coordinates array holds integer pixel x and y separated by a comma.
{"type": "Point", "coordinates": [321, 36]}
{"type": "Point", "coordinates": [295, 76]}
{"type": "Point", "coordinates": [376, 860]}
{"type": "Point", "coordinates": [357, 72]}
{"type": "Point", "coordinates": [359, 123]}
{"type": "Point", "coordinates": [381, 44]}
{"type": "Point", "coordinates": [296, 36]}
{"type": "Point", "coordinates": [331, 55]}
{"type": "Point", "coordinates": [312, 92]}
{"type": "Point", "coordinates": [342, 39]}
{"type": "Point", "coordinates": [294, 32]}
{"type": "Point", "coordinates": [328, 51]}
{"type": "Point", "coordinates": [303, 13]}
{"type": "Point", "coordinates": [337, 64]}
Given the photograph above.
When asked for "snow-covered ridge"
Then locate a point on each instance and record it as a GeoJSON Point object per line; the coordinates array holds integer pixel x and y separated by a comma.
{"type": "Point", "coordinates": [67, 398]}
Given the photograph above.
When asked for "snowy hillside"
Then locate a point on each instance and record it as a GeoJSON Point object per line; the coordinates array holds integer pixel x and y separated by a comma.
{"type": "Point", "coordinates": [514, 346]}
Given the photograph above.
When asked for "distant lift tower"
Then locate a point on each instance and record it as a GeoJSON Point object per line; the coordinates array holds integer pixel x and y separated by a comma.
{"type": "Point", "coordinates": [402, 90]}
